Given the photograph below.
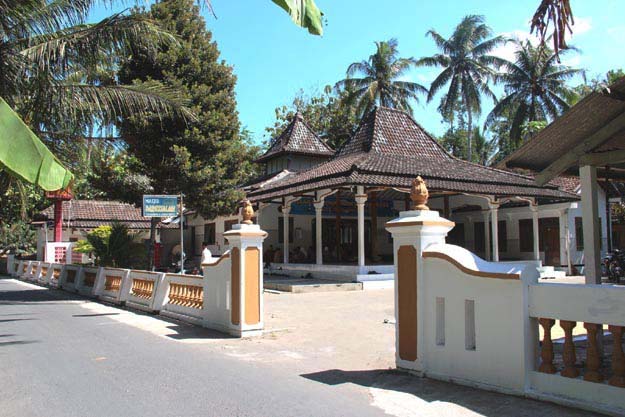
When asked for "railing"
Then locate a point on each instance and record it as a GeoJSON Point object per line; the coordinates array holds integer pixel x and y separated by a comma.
{"type": "Point", "coordinates": [228, 297]}
{"type": "Point", "coordinates": [142, 290]}
{"type": "Point", "coordinates": [581, 349]}
{"type": "Point", "coordinates": [184, 297]}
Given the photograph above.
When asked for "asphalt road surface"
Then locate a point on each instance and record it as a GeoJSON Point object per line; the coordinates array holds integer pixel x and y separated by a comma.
{"type": "Point", "coordinates": [59, 359]}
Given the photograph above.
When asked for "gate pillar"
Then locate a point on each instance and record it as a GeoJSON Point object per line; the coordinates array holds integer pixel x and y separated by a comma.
{"type": "Point", "coordinates": [412, 232]}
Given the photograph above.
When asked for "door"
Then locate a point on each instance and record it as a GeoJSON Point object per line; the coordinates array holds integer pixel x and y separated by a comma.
{"type": "Point", "coordinates": [550, 240]}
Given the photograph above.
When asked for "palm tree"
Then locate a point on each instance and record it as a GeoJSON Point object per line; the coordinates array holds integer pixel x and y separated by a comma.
{"type": "Point", "coordinates": [381, 82]}
{"type": "Point", "coordinates": [467, 68]}
{"type": "Point", "coordinates": [49, 56]}
{"type": "Point", "coordinates": [535, 88]}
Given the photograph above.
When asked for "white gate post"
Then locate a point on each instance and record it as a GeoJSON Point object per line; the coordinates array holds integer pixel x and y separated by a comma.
{"type": "Point", "coordinates": [246, 275]}
{"type": "Point", "coordinates": [412, 232]}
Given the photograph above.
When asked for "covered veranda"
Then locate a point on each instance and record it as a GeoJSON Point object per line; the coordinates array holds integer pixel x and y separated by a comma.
{"type": "Point", "coordinates": [588, 141]}
{"type": "Point", "coordinates": [350, 197]}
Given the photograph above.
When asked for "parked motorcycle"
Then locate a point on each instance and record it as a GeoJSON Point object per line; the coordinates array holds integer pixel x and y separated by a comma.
{"type": "Point", "coordinates": [613, 266]}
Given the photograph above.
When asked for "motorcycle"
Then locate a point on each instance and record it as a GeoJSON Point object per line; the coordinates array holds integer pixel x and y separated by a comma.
{"type": "Point", "coordinates": [613, 266]}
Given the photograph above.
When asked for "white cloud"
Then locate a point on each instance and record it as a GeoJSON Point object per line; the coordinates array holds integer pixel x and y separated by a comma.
{"type": "Point", "coordinates": [581, 26]}
{"type": "Point", "coordinates": [507, 51]}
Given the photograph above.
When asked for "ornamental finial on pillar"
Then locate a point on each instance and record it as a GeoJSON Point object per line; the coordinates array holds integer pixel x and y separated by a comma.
{"type": "Point", "coordinates": [419, 194]}
{"type": "Point", "coordinates": [247, 212]}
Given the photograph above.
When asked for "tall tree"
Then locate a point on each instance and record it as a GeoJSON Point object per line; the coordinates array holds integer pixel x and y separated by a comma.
{"type": "Point", "coordinates": [206, 158]}
{"type": "Point", "coordinates": [467, 67]}
{"type": "Point", "coordinates": [535, 89]}
{"type": "Point", "coordinates": [381, 82]}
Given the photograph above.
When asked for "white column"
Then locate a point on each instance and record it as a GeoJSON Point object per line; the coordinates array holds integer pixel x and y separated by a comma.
{"type": "Point", "coordinates": [361, 199]}
{"type": "Point", "coordinates": [487, 236]}
{"type": "Point", "coordinates": [590, 220]}
{"type": "Point", "coordinates": [565, 252]}
{"type": "Point", "coordinates": [535, 231]}
{"type": "Point", "coordinates": [286, 209]}
{"type": "Point", "coordinates": [494, 211]}
{"type": "Point", "coordinates": [318, 237]}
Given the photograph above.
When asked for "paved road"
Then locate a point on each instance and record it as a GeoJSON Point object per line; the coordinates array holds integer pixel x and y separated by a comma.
{"type": "Point", "coordinates": [58, 358]}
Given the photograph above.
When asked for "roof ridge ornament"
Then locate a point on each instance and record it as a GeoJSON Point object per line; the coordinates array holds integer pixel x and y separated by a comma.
{"type": "Point", "coordinates": [419, 194]}
{"type": "Point", "coordinates": [247, 212]}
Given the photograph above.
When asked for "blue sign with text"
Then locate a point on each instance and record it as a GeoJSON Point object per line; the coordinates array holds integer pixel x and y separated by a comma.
{"type": "Point", "coordinates": [160, 205]}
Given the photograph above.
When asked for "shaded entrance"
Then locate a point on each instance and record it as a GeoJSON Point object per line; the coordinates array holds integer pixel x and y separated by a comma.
{"type": "Point", "coordinates": [550, 240]}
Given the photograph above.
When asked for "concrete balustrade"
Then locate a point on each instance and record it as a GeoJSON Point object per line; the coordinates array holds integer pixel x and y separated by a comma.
{"type": "Point", "coordinates": [54, 275]}
{"type": "Point", "coordinates": [184, 297]}
{"type": "Point", "coordinates": [227, 298]}
{"type": "Point", "coordinates": [141, 291]}
{"type": "Point", "coordinates": [110, 283]}
{"type": "Point", "coordinates": [86, 281]}
{"type": "Point", "coordinates": [69, 277]}
{"type": "Point", "coordinates": [31, 271]}
{"type": "Point", "coordinates": [42, 273]}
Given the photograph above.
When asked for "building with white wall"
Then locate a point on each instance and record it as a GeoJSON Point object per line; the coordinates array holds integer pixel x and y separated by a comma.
{"type": "Point", "coordinates": [325, 211]}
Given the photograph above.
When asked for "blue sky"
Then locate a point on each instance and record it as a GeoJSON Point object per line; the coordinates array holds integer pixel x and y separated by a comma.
{"type": "Point", "coordinates": [273, 59]}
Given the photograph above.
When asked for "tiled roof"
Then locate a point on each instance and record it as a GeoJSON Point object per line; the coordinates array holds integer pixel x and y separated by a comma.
{"type": "Point", "coordinates": [390, 149]}
{"type": "Point", "coordinates": [93, 213]}
{"type": "Point", "coordinates": [297, 138]}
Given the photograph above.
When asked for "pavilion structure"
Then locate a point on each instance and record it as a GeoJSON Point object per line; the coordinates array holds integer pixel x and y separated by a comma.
{"type": "Point", "coordinates": [587, 141]}
{"type": "Point", "coordinates": [367, 182]}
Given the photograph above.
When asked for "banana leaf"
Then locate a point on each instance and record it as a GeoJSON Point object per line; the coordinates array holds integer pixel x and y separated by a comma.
{"type": "Point", "coordinates": [23, 154]}
{"type": "Point", "coordinates": [303, 13]}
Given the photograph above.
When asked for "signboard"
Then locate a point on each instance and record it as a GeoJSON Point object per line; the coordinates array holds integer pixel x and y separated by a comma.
{"type": "Point", "coordinates": [160, 206]}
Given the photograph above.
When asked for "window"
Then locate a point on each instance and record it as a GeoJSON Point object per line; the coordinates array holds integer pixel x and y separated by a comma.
{"type": "Point", "coordinates": [456, 235]}
{"type": "Point", "coordinates": [440, 321]}
{"type": "Point", "coordinates": [209, 233]}
{"type": "Point", "coordinates": [469, 324]}
{"type": "Point", "coordinates": [579, 234]}
{"type": "Point", "coordinates": [526, 235]}
{"type": "Point", "coordinates": [502, 235]}
{"type": "Point", "coordinates": [281, 230]}
{"type": "Point", "coordinates": [479, 238]}
{"type": "Point", "coordinates": [229, 223]}
{"type": "Point", "coordinates": [193, 242]}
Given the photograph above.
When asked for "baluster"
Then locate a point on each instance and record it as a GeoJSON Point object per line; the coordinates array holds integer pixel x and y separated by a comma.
{"type": "Point", "coordinates": [618, 358]}
{"type": "Point", "coordinates": [546, 352]}
{"type": "Point", "coordinates": [593, 361]}
{"type": "Point", "coordinates": [568, 353]}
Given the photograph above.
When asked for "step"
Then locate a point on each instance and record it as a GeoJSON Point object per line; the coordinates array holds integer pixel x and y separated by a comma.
{"type": "Point", "coordinates": [311, 285]}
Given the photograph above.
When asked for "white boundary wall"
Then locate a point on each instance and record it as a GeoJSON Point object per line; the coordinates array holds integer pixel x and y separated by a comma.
{"type": "Point", "coordinates": [477, 321]}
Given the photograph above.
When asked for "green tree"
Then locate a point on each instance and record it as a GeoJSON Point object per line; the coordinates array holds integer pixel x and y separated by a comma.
{"type": "Point", "coordinates": [205, 158]}
{"type": "Point", "coordinates": [467, 67]}
{"type": "Point", "coordinates": [381, 82]}
{"type": "Point", "coordinates": [595, 84]}
{"type": "Point", "coordinates": [327, 113]}
{"type": "Point", "coordinates": [535, 90]}
{"type": "Point", "coordinates": [112, 246]}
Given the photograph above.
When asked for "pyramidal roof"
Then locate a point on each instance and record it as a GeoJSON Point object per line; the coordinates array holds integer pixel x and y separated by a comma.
{"type": "Point", "coordinates": [391, 132]}
{"type": "Point", "coordinates": [389, 150]}
{"type": "Point", "coordinates": [297, 138]}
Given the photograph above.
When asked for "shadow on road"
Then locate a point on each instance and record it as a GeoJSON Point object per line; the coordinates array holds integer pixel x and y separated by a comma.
{"type": "Point", "coordinates": [10, 320]}
{"type": "Point", "coordinates": [95, 315]}
{"type": "Point", "coordinates": [18, 342]}
{"type": "Point", "coordinates": [483, 402]}
{"type": "Point", "coordinates": [183, 331]}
